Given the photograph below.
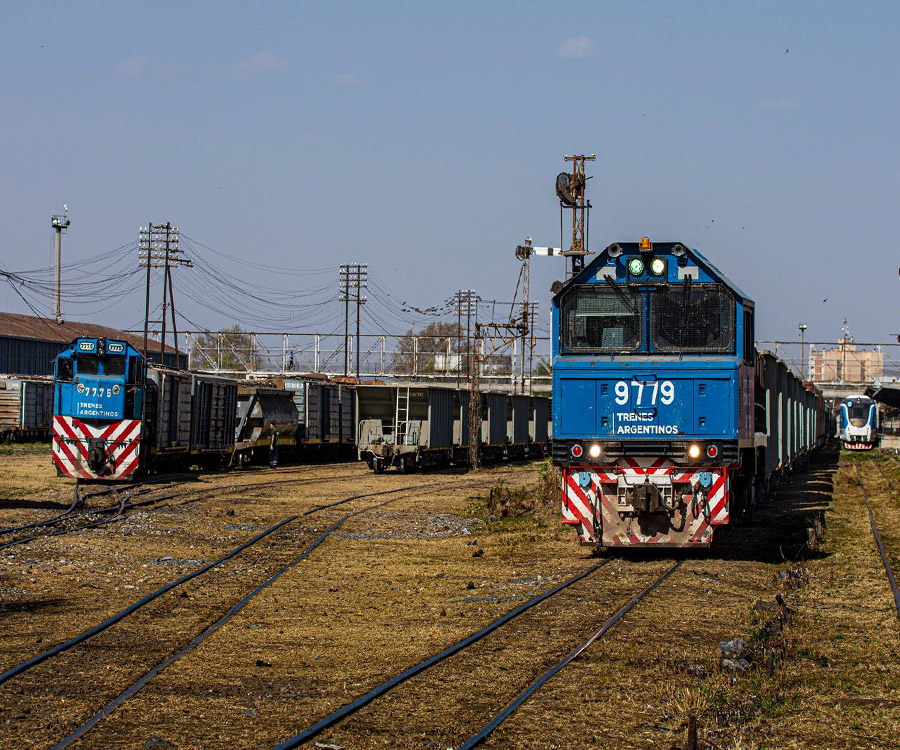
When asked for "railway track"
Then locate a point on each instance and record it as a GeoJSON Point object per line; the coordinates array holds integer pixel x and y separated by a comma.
{"type": "Point", "coordinates": [49, 655]}
{"type": "Point", "coordinates": [348, 710]}
{"type": "Point", "coordinates": [125, 495]}
{"type": "Point", "coordinates": [886, 478]}
{"type": "Point", "coordinates": [889, 571]}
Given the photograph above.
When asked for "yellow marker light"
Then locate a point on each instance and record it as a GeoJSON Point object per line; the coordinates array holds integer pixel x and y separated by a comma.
{"type": "Point", "coordinates": [694, 451]}
{"type": "Point", "coordinates": [646, 246]}
{"type": "Point", "coordinates": [594, 451]}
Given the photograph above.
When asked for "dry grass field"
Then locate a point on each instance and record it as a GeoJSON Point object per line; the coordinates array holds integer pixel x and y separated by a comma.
{"type": "Point", "coordinates": [417, 571]}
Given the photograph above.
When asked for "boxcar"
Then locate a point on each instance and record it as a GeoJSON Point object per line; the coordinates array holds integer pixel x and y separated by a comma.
{"type": "Point", "coordinates": [26, 407]}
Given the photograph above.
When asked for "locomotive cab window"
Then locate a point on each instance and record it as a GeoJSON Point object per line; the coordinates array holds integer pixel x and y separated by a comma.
{"type": "Point", "coordinates": [87, 364]}
{"type": "Point", "coordinates": [114, 365]}
{"type": "Point", "coordinates": [64, 369]}
{"type": "Point", "coordinates": [749, 336]}
{"type": "Point", "coordinates": [693, 318]}
{"type": "Point", "coordinates": [602, 319]}
{"type": "Point", "coordinates": [858, 413]}
{"type": "Point", "coordinates": [134, 368]}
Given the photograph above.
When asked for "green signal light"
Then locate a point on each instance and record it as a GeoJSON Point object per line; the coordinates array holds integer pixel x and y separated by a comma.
{"type": "Point", "coordinates": [657, 267]}
{"type": "Point", "coordinates": [635, 266]}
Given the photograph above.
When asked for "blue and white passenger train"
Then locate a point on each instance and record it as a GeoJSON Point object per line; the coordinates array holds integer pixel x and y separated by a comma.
{"type": "Point", "coordinates": [858, 423]}
{"type": "Point", "coordinates": [667, 422]}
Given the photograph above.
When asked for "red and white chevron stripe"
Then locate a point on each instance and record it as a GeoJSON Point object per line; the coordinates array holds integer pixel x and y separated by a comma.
{"type": "Point", "coordinates": [593, 511]}
{"type": "Point", "coordinates": [580, 505]}
{"type": "Point", "coordinates": [71, 441]}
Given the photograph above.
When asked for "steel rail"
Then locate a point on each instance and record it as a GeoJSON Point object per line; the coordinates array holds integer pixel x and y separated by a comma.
{"type": "Point", "coordinates": [884, 476]}
{"type": "Point", "coordinates": [387, 685]}
{"type": "Point", "coordinates": [97, 629]}
{"type": "Point", "coordinates": [142, 681]}
{"type": "Point", "coordinates": [147, 485]}
{"type": "Point", "coordinates": [116, 510]}
{"type": "Point", "coordinates": [889, 571]}
{"type": "Point", "coordinates": [153, 501]}
{"type": "Point", "coordinates": [507, 712]}
{"type": "Point", "coordinates": [76, 502]}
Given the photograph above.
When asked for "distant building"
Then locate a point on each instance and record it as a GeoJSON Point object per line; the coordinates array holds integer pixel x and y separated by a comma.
{"type": "Point", "coordinates": [847, 363]}
{"type": "Point", "coordinates": [28, 345]}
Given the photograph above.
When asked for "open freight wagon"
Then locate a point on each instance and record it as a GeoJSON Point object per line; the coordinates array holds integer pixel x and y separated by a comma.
{"type": "Point", "coordinates": [416, 426]}
{"type": "Point", "coordinates": [190, 418]}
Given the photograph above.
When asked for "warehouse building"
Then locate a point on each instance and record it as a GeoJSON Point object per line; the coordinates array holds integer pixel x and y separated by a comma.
{"type": "Point", "coordinates": [29, 344]}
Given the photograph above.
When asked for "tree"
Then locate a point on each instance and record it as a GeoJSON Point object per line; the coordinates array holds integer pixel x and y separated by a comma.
{"type": "Point", "coordinates": [229, 349]}
{"type": "Point", "coordinates": [427, 350]}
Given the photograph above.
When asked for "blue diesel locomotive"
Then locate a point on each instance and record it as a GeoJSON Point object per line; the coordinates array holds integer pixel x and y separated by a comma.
{"type": "Point", "coordinates": [98, 405]}
{"type": "Point", "coordinates": [664, 422]}
{"type": "Point", "coordinates": [115, 415]}
{"type": "Point", "coordinates": [858, 423]}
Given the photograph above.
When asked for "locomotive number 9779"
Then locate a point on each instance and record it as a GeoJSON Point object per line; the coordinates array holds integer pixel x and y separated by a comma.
{"type": "Point", "coordinates": [665, 391]}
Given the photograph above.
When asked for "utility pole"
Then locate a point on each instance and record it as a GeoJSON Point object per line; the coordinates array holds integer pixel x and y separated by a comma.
{"type": "Point", "coordinates": [59, 224]}
{"type": "Point", "coordinates": [354, 277]}
{"type": "Point", "coordinates": [469, 298]}
{"type": "Point", "coordinates": [475, 408]}
{"type": "Point", "coordinates": [149, 232]}
{"type": "Point", "coordinates": [344, 278]}
{"type": "Point", "coordinates": [158, 248]}
{"type": "Point", "coordinates": [162, 340]}
{"type": "Point", "coordinates": [802, 328]}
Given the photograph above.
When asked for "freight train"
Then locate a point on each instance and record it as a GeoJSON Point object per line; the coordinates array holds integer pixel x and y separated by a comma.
{"type": "Point", "coordinates": [667, 421]}
{"type": "Point", "coordinates": [858, 423]}
{"type": "Point", "coordinates": [413, 426]}
{"type": "Point", "coordinates": [116, 416]}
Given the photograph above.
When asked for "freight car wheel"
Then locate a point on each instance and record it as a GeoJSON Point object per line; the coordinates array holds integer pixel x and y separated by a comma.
{"type": "Point", "coordinates": [402, 466]}
{"type": "Point", "coordinates": [378, 465]}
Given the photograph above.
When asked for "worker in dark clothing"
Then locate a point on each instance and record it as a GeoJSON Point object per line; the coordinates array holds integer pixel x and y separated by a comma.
{"type": "Point", "coordinates": [273, 445]}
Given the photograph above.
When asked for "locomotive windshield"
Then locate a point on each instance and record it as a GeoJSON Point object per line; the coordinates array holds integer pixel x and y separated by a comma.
{"type": "Point", "coordinates": [858, 412]}
{"type": "Point", "coordinates": [692, 318]}
{"type": "Point", "coordinates": [89, 364]}
{"type": "Point", "coordinates": [602, 319]}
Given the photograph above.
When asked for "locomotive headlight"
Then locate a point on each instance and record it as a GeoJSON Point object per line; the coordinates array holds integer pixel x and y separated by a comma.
{"type": "Point", "coordinates": [594, 451]}
{"type": "Point", "coordinates": [635, 266]}
{"type": "Point", "coordinates": [694, 451]}
{"type": "Point", "coordinates": [657, 267]}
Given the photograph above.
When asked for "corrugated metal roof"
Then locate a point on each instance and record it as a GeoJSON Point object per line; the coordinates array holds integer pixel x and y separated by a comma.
{"type": "Point", "coordinates": [46, 329]}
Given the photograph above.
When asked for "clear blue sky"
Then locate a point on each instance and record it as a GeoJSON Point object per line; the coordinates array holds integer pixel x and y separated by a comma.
{"type": "Point", "coordinates": [424, 139]}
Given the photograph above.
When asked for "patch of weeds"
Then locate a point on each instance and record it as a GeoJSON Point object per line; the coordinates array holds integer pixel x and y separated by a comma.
{"type": "Point", "coordinates": [538, 501]}
{"type": "Point", "coordinates": [23, 449]}
{"type": "Point", "coordinates": [748, 685]}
